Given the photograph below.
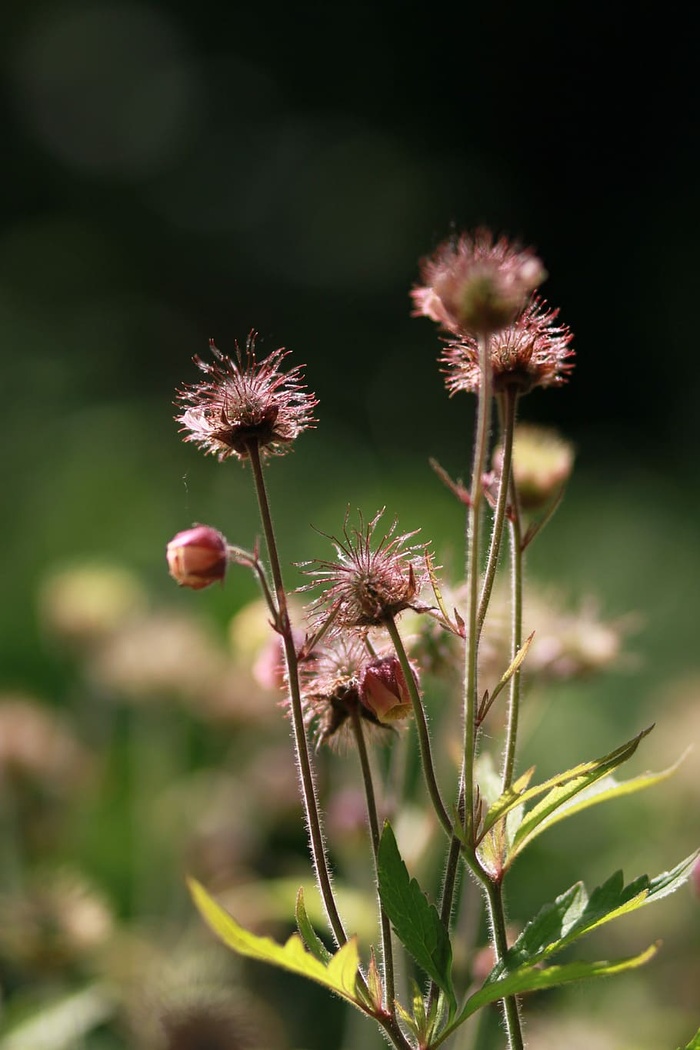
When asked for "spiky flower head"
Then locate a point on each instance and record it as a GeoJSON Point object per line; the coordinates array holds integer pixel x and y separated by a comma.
{"type": "Point", "coordinates": [331, 688]}
{"type": "Point", "coordinates": [244, 402]}
{"type": "Point", "coordinates": [532, 351]}
{"type": "Point", "coordinates": [475, 284]}
{"type": "Point", "coordinates": [371, 582]}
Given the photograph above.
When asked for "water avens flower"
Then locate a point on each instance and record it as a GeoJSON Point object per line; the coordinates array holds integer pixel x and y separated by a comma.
{"type": "Point", "coordinates": [384, 690]}
{"type": "Point", "coordinates": [475, 284]}
{"type": "Point", "coordinates": [244, 402]}
{"type": "Point", "coordinates": [332, 692]}
{"type": "Point", "coordinates": [370, 583]}
{"type": "Point", "coordinates": [197, 557]}
{"type": "Point", "coordinates": [532, 351]}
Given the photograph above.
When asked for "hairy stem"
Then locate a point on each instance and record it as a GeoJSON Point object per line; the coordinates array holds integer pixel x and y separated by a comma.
{"type": "Point", "coordinates": [516, 641]}
{"type": "Point", "coordinates": [373, 820]}
{"type": "Point", "coordinates": [483, 426]}
{"type": "Point", "coordinates": [497, 919]}
{"type": "Point", "coordinates": [508, 406]}
{"type": "Point", "coordinates": [301, 747]}
{"type": "Point", "coordinates": [422, 728]}
{"type": "Point", "coordinates": [466, 794]}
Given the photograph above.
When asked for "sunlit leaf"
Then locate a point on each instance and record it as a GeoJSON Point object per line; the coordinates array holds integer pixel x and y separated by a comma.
{"type": "Point", "coordinates": [694, 1043]}
{"type": "Point", "coordinates": [340, 974]}
{"type": "Point", "coordinates": [532, 978]}
{"type": "Point", "coordinates": [603, 790]}
{"type": "Point", "coordinates": [574, 914]}
{"type": "Point", "coordinates": [551, 810]}
{"type": "Point", "coordinates": [416, 922]}
{"type": "Point", "coordinates": [561, 787]}
{"type": "Point", "coordinates": [306, 931]}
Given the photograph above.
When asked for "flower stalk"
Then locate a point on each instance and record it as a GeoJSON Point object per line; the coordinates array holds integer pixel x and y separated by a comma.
{"type": "Point", "coordinates": [306, 777]}
{"type": "Point", "coordinates": [373, 822]}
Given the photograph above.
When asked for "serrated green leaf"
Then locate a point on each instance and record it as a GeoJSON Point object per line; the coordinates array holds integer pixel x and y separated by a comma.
{"type": "Point", "coordinates": [306, 931]}
{"type": "Point", "coordinates": [551, 809]}
{"type": "Point", "coordinates": [532, 978]}
{"type": "Point", "coordinates": [574, 914]}
{"type": "Point", "coordinates": [339, 975]}
{"type": "Point", "coordinates": [561, 787]}
{"type": "Point", "coordinates": [416, 922]}
{"type": "Point", "coordinates": [694, 1043]}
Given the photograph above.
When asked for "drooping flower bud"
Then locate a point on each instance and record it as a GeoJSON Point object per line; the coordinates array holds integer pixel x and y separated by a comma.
{"type": "Point", "coordinates": [197, 557]}
{"type": "Point", "coordinates": [384, 691]}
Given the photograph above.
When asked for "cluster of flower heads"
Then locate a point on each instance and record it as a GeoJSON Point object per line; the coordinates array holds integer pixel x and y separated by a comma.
{"type": "Point", "coordinates": [478, 288]}
{"type": "Point", "coordinates": [343, 679]}
{"type": "Point", "coordinates": [246, 403]}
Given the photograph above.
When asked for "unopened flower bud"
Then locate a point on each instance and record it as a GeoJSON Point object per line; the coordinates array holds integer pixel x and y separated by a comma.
{"type": "Point", "coordinates": [197, 557]}
{"type": "Point", "coordinates": [542, 464]}
{"type": "Point", "coordinates": [384, 691]}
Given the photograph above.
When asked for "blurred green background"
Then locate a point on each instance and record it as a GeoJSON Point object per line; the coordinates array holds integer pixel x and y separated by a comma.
{"type": "Point", "coordinates": [176, 172]}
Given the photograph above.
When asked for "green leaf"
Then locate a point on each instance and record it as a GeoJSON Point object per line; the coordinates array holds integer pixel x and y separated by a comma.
{"type": "Point", "coordinates": [574, 914]}
{"type": "Point", "coordinates": [532, 978]}
{"type": "Point", "coordinates": [340, 974]}
{"type": "Point", "coordinates": [552, 809]}
{"type": "Point", "coordinates": [561, 787]}
{"type": "Point", "coordinates": [306, 931]}
{"type": "Point", "coordinates": [416, 922]}
{"type": "Point", "coordinates": [606, 788]}
{"type": "Point", "coordinates": [694, 1043]}
{"type": "Point", "coordinates": [507, 675]}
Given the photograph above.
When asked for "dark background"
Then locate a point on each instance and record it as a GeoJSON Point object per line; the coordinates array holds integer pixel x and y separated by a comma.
{"type": "Point", "coordinates": [174, 171]}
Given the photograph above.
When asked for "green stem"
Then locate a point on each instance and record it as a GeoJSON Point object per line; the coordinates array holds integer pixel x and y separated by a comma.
{"type": "Point", "coordinates": [514, 686]}
{"type": "Point", "coordinates": [483, 425]}
{"type": "Point", "coordinates": [422, 728]}
{"type": "Point", "coordinates": [373, 820]}
{"type": "Point", "coordinates": [497, 919]}
{"type": "Point", "coordinates": [243, 557]}
{"type": "Point", "coordinates": [508, 405]}
{"type": "Point", "coordinates": [306, 777]}
{"type": "Point", "coordinates": [465, 800]}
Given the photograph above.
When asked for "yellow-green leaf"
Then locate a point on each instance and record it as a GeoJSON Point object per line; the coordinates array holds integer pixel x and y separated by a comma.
{"type": "Point", "coordinates": [566, 784]}
{"type": "Point", "coordinates": [532, 978]}
{"type": "Point", "coordinates": [601, 791]}
{"type": "Point", "coordinates": [340, 975]}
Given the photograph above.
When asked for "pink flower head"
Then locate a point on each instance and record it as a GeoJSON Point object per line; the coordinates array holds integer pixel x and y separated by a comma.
{"type": "Point", "coordinates": [370, 583]}
{"type": "Point", "coordinates": [197, 557]}
{"type": "Point", "coordinates": [331, 691]}
{"type": "Point", "coordinates": [244, 402]}
{"type": "Point", "coordinates": [476, 285]}
{"type": "Point", "coordinates": [532, 351]}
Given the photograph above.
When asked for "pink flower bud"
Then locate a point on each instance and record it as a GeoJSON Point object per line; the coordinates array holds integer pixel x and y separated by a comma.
{"type": "Point", "coordinates": [197, 557]}
{"type": "Point", "coordinates": [383, 690]}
